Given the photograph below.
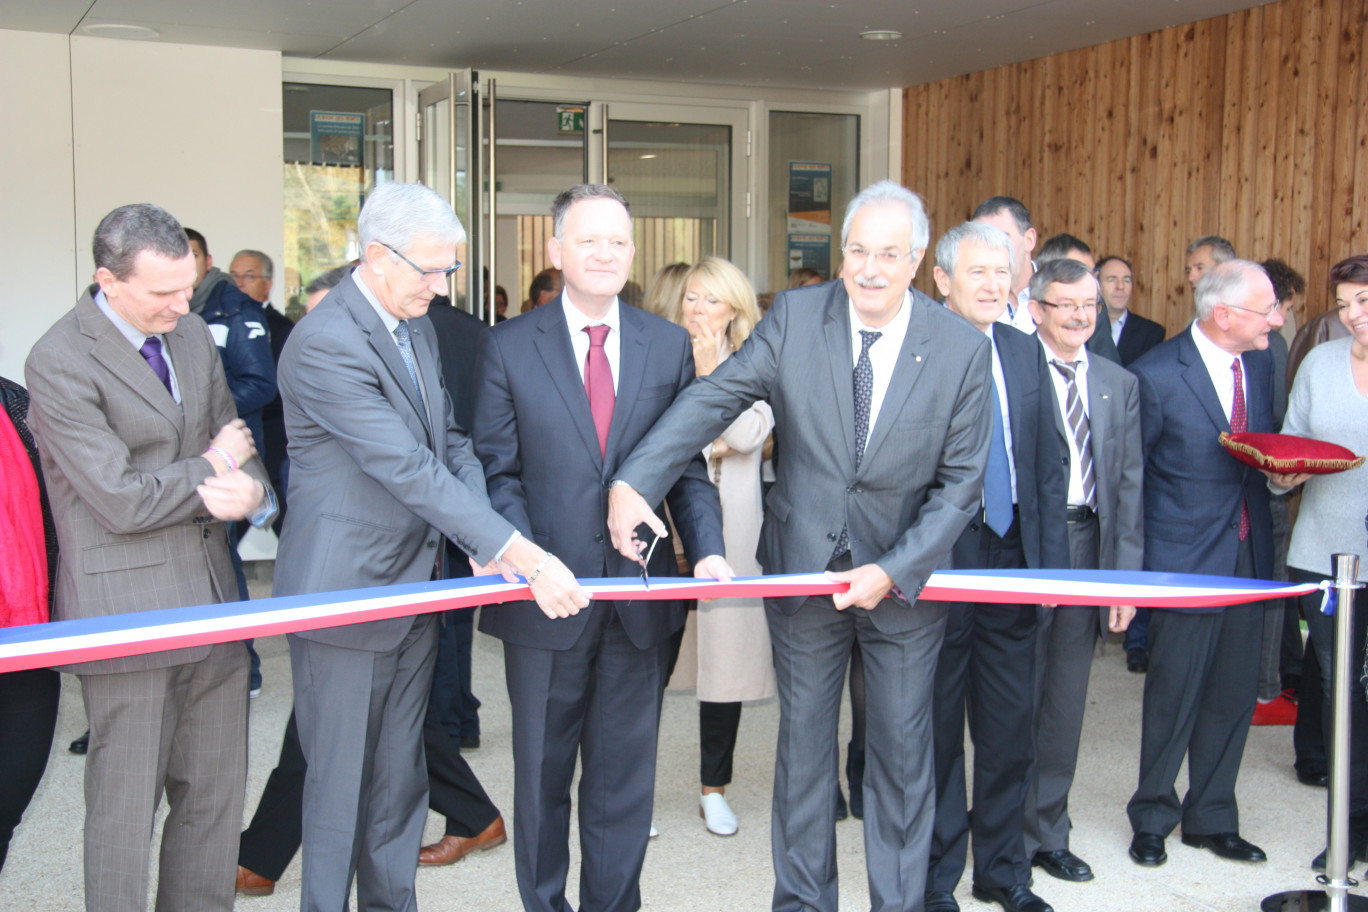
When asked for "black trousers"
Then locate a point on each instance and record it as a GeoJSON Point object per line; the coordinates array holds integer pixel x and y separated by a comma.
{"type": "Point", "coordinates": [718, 724]}
{"type": "Point", "coordinates": [28, 716]}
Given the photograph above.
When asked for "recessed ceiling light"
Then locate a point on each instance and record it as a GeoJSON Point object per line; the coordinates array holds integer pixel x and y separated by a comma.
{"type": "Point", "coordinates": [119, 30]}
{"type": "Point", "coordinates": [881, 35]}
{"type": "Point", "coordinates": [651, 155]}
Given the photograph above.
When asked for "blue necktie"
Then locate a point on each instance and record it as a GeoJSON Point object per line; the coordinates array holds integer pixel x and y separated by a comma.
{"type": "Point", "coordinates": [405, 342]}
{"type": "Point", "coordinates": [997, 483]}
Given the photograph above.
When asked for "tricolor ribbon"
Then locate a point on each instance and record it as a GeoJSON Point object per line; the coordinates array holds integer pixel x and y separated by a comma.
{"type": "Point", "coordinates": [115, 636]}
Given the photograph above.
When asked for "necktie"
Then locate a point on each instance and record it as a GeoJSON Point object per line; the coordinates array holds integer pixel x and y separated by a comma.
{"type": "Point", "coordinates": [1239, 423]}
{"type": "Point", "coordinates": [1079, 428]}
{"type": "Point", "coordinates": [152, 353]}
{"type": "Point", "coordinates": [598, 384]}
{"type": "Point", "coordinates": [997, 482]}
{"type": "Point", "coordinates": [404, 339]}
{"type": "Point", "coordinates": [864, 391]}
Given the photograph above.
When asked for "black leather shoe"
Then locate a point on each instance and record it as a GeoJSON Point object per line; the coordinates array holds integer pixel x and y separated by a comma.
{"type": "Point", "coordinates": [1063, 864]}
{"type": "Point", "coordinates": [81, 744]}
{"type": "Point", "coordinates": [841, 812]}
{"type": "Point", "coordinates": [1319, 780]}
{"type": "Point", "coordinates": [1017, 898]}
{"type": "Point", "coordinates": [855, 764]}
{"type": "Point", "coordinates": [1226, 845]}
{"type": "Point", "coordinates": [1358, 851]}
{"type": "Point", "coordinates": [1148, 849]}
{"type": "Point", "coordinates": [1137, 659]}
{"type": "Point", "coordinates": [938, 901]}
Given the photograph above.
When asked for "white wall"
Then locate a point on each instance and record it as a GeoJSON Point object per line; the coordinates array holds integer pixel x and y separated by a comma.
{"type": "Point", "coordinates": [196, 130]}
{"type": "Point", "coordinates": [37, 233]}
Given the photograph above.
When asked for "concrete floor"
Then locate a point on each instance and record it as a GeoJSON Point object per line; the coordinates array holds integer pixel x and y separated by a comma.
{"type": "Point", "coordinates": [689, 869]}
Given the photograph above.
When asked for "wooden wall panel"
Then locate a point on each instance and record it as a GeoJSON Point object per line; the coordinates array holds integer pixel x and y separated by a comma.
{"type": "Point", "coordinates": [1246, 125]}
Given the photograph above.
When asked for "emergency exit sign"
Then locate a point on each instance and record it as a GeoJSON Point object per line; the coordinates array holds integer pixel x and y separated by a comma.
{"type": "Point", "coordinates": [570, 118]}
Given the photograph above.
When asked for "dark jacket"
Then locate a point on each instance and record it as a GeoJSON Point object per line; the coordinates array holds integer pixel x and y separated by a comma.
{"type": "Point", "coordinates": [245, 348]}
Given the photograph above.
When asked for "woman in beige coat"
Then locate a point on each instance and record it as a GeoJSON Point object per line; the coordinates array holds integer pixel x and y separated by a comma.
{"type": "Point", "coordinates": [733, 648]}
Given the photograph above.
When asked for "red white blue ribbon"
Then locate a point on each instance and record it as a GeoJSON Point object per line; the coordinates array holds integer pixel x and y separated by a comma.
{"type": "Point", "coordinates": [115, 636]}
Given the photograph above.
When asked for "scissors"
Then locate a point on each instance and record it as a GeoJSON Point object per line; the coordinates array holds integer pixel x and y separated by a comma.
{"type": "Point", "coordinates": [645, 576]}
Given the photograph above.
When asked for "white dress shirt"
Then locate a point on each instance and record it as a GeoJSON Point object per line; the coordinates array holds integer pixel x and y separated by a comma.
{"type": "Point", "coordinates": [1118, 325]}
{"type": "Point", "coordinates": [137, 339]}
{"type": "Point", "coordinates": [1219, 364]}
{"type": "Point", "coordinates": [579, 339]}
{"type": "Point", "coordinates": [1000, 381]}
{"type": "Point", "coordinates": [883, 353]}
{"type": "Point", "coordinates": [1061, 388]}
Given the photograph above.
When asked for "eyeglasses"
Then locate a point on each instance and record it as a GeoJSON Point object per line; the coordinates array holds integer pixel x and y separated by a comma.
{"type": "Point", "coordinates": [1277, 305]}
{"type": "Point", "coordinates": [857, 253]}
{"type": "Point", "coordinates": [1083, 308]}
{"type": "Point", "coordinates": [446, 273]}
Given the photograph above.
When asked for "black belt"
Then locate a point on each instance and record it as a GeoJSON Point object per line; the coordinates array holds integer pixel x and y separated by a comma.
{"type": "Point", "coordinates": [1080, 514]}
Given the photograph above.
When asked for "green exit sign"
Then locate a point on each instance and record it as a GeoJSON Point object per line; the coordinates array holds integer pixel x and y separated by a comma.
{"type": "Point", "coordinates": [570, 118]}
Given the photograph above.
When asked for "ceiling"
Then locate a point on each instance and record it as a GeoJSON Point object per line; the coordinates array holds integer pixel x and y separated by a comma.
{"type": "Point", "coordinates": [779, 43]}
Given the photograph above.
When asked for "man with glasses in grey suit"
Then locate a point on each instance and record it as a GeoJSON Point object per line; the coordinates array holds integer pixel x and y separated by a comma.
{"type": "Point", "coordinates": [881, 411]}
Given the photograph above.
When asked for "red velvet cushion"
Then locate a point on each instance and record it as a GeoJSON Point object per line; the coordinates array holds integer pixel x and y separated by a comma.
{"type": "Point", "coordinates": [1288, 455]}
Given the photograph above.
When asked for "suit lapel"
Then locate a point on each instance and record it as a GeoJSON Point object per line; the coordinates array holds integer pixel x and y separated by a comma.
{"type": "Point", "coordinates": [115, 354]}
{"type": "Point", "coordinates": [1100, 395]}
{"type": "Point", "coordinates": [1198, 379]}
{"type": "Point", "coordinates": [916, 349]}
{"type": "Point", "coordinates": [385, 346]}
{"type": "Point", "coordinates": [633, 347]}
{"type": "Point", "coordinates": [553, 344]}
{"type": "Point", "coordinates": [841, 361]}
{"type": "Point", "coordinates": [430, 369]}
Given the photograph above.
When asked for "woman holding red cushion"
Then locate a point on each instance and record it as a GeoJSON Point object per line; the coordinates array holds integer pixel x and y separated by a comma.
{"type": "Point", "coordinates": [1329, 401]}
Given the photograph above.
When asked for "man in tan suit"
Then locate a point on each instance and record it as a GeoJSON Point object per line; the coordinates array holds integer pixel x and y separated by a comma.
{"type": "Point", "coordinates": [145, 460]}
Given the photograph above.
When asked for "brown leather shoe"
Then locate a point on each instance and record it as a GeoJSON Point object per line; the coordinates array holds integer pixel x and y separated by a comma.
{"type": "Point", "coordinates": [452, 849]}
{"type": "Point", "coordinates": [250, 883]}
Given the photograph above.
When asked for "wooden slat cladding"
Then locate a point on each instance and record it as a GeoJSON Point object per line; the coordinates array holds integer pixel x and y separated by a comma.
{"type": "Point", "coordinates": [1248, 125]}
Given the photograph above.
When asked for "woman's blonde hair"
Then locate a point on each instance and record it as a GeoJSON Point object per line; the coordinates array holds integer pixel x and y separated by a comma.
{"type": "Point", "coordinates": [727, 283]}
{"type": "Point", "coordinates": [665, 291]}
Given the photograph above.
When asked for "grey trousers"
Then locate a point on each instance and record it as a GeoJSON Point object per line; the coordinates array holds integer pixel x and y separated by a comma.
{"type": "Point", "coordinates": [1064, 652]}
{"type": "Point", "coordinates": [811, 648]}
{"type": "Point", "coordinates": [182, 730]}
{"type": "Point", "coordinates": [360, 717]}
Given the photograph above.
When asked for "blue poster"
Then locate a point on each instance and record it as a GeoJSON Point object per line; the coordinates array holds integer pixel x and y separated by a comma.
{"type": "Point", "coordinates": [335, 137]}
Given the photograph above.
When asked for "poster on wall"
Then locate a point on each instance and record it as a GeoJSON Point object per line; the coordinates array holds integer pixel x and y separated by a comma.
{"type": "Point", "coordinates": [335, 137]}
{"type": "Point", "coordinates": [809, 198]}
{"type": "Point", "coordinates": [812, 251]}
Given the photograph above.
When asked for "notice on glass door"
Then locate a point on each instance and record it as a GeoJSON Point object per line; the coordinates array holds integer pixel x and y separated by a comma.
{"type": "Point", "coordinates": [809, 202]}
{"type": "Point", "coordinates": [335, 137]}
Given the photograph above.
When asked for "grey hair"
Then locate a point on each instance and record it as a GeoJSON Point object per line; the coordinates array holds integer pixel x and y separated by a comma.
{"type": "Point", "coordinates": [130, 230]}
{"type": "Point", "coordinates": [567, 198]}
{"type": "Point", "coordinates": [326, 281]}
{"type": "Point", "coordinates": [887, 192]}
{"type": "Point", "coordinates": [1222, 284]}
{"type": "Point", "coordinates": [267, 267]}
{"type": "Point", "coordinates": [948, 247]}
{"type": "Point", "coordinates": [397, 214]}
{"type": "Point", "coordinates": [1064, 271]}
{"type": "Point", "coordinates": [1222, 251]}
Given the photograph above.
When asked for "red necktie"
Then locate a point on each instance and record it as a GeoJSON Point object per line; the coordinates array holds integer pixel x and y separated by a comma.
{"type": "Point", "coordinates": [1239, 423]}
{"type": "Point", "coordinates": [598, 383]}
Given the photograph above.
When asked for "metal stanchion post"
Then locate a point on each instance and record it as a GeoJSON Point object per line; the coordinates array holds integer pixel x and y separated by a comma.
{"type": "Point", "coordinates": [1335, 897]}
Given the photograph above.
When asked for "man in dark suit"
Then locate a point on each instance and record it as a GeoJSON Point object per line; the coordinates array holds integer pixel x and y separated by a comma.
{"type": "Point", "coordinates": [563, 395]}
{"type": "Point", "coordinates": [1097, 417]}
{"type": "Point", "coordinates": [881, 411]}
{"type": "Point", "coordinates": [380, 472]}
{"type": "Point", "coordinates": [145, 458]}
{"type": "Point", "coordinates": [1133, 334]}
{"type": "Point", "coordinates": [1205, 512]}
{"type": "Point", "coordinates": [987, 662]}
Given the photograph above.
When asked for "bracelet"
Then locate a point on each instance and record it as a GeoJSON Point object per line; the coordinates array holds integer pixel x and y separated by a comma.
{"type": "Point", "coordinates": [540, 567]}
{"type": "Point", "coordinates": [223, 454]}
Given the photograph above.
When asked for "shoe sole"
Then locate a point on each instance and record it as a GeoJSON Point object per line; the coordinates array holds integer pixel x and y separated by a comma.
{"type": "Point", "coordinates": [255, 891]}
{"type": "Point", "coordinates": [1148, 863]}
{"type": "Point", "coordinates": [1060, 875]}
{"type": "Point", "coordinates": [714, 832]}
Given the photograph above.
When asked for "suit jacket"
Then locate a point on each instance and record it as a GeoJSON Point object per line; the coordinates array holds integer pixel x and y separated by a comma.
{"type": "Point", "coordinates": [921, 477]}
{"type": "Point", "coordinates": [1100, 342]}
{"type": "Point", "coordinates": [375, 480]}
{"type": "Point", "coordinates": [122, 460]}
{"type": "Point", "coordinates": [1042, 484]}
{"type": "Point", "coordinates": [1193, 488]}
{"type": "Point", "coordinates": [1138, 335]}
{"type": "Point", "coordinates": [535, 435]}
{"type": "Point", "coordinates": [458, 342]}
{"type": "Point", "coordinates": [1118, 463]}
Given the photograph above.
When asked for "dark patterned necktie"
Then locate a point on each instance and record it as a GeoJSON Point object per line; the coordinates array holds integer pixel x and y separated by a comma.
{"type": "Point", "coordinates": [1079, 428]}
{"type": "Point", "coordinates": [403, 337]}
{"type": "Point", "coordinates": [152, 353]}
{"type": "Point", "coordinates": [864, 394]}
{"type": "Point", "coordinates": [598, 384]}
{"type": "Point", "coordinates": [1239, 423]}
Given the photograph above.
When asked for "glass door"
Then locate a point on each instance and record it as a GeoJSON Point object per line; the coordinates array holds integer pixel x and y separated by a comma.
{"type": "Point", "coordinates": [448, 161]}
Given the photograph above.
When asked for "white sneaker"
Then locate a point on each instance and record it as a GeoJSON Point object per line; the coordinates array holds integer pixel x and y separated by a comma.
{"type": "Point", "coordinates": [654, 832]}
{"type": "Point", "coordinates": [717, 814]}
